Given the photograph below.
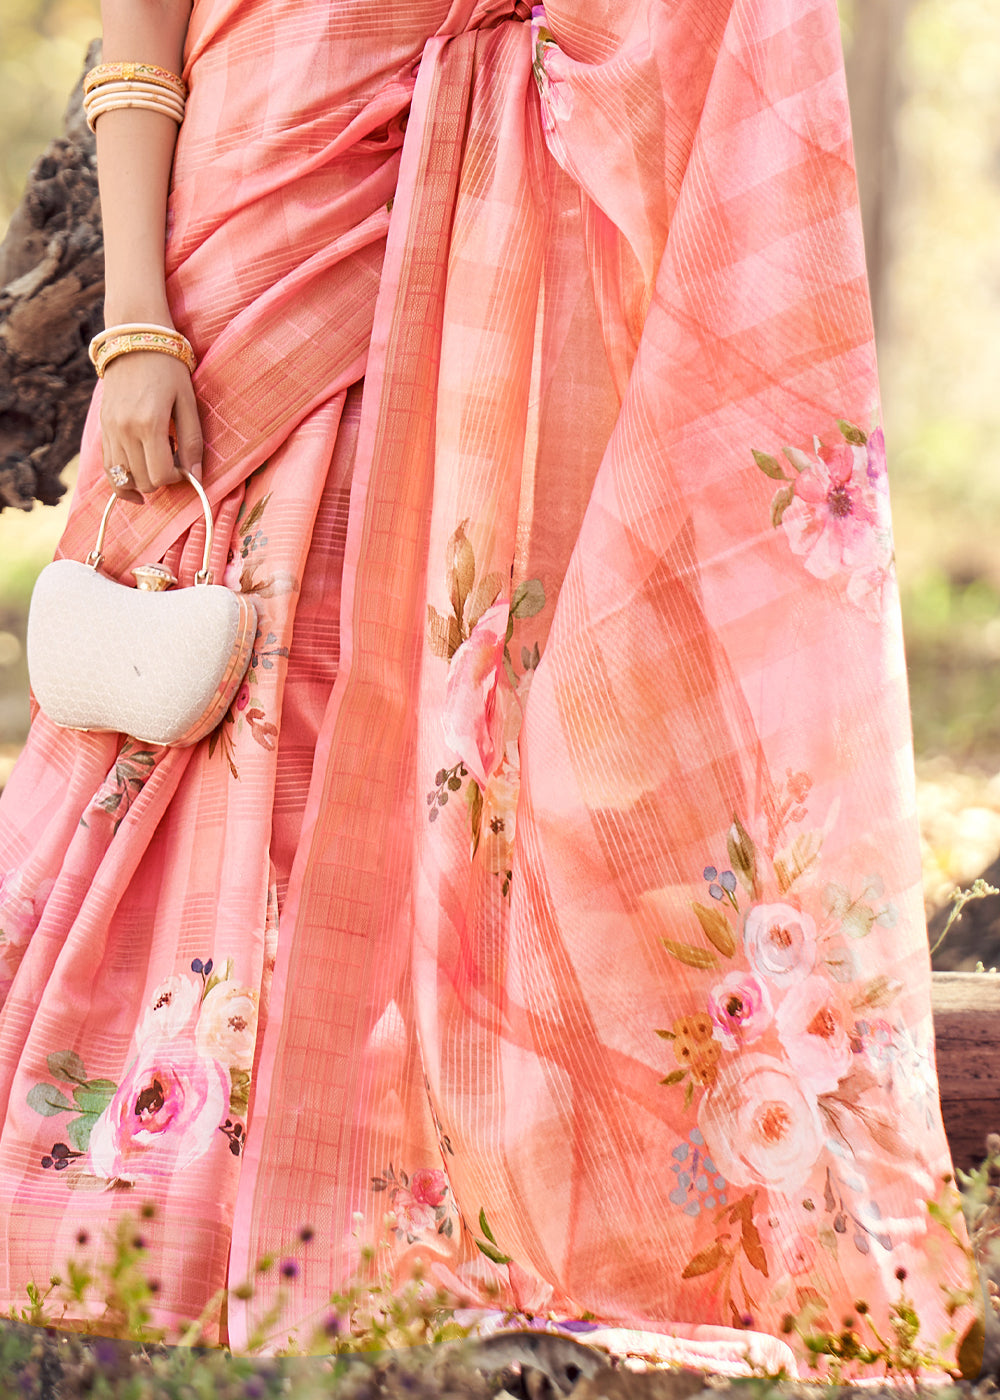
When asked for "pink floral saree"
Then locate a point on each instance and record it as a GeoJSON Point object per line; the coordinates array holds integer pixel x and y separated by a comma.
{"type": "Point", "coordinates": [547, 908]}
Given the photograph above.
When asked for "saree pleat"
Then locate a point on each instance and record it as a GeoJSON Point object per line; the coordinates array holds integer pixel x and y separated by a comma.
{"type": "Point", "coordinates": [546, 911]}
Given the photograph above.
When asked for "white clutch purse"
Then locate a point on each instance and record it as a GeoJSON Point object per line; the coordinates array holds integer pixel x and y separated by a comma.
{"type": "Point", "coordinates": [160, 665]}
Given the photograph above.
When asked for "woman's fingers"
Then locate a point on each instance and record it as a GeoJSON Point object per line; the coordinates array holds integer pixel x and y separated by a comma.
{"type": "Point", "coordinates": [148, 406]}
{"type": "Point", "coordinates": [187, 429]}
{"type": "Point", "coordinates": [117, 469]}
{"type": "Point", "coordinates": [157, 455]}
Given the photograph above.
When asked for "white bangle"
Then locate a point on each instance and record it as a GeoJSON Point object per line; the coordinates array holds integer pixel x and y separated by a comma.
{"type": "Point", "coordinates": [150, 91]}
{"type": "Point", "coordinates": [98, 109]}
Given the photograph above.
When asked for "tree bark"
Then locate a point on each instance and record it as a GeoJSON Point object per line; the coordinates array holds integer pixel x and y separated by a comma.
{"type": "Point", "coordinates": [51, 292]}
{"type": "Point", "coordinates": [873, 80]}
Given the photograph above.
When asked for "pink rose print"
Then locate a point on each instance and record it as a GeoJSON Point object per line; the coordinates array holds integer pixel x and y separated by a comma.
{"type": "Point", "coordinates": [172, 1005]}
{"type": "Point", "coordinates": [761, 1125]}
{"type": "Point", "coordinates": [164, 1114]}
{"type": "Point", "coordinates": [811, 1027]}
{"type": "Point", "coordinates": [419, 1202]}
{"type": "Point", "coordinates": [781, 942]}
{"type": "Point", "coordinates": [474, 709]}
{"type": "Point", "coordinates": [428, 1186]}
{"type": "Point", "coordinates": [19, 915]}
{"type": "Point", "coordinates": [19, 911]}
{"type": "Point", "coordinates": [233, 573]}
{"type": "Point", "coordinates": [834, 519]}
{"type": "Point", "coordinates": [416, 1205]}
{"type": "Point", "coordinates": [413, 1217]}
{"type": "Point", "coordinates": [833, 510]}
{"type": "Point", "coordinates": [740, 1005]}
{"type": "Point", "coordinates": [499, 820]}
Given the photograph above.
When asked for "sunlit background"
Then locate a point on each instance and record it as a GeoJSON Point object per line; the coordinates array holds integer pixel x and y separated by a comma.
{"type": "Point", "coordinates": [926, 99]}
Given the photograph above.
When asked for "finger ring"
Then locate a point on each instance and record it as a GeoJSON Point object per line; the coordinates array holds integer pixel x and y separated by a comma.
{"type": "Point", "coordinates": [120, 476]}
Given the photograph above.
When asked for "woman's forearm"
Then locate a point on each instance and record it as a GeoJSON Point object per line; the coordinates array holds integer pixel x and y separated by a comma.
{"type": "Point", "coordinates": [134, 155]}
{"type": "Point", "coordinates": [148, 403]}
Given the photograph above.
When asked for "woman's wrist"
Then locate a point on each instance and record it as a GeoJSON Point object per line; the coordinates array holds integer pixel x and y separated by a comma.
{"type": "Point", "coordinates": [127, 307]}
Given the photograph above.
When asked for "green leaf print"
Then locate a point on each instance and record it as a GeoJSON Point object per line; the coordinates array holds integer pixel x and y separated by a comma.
{"type": "Point", "coordinates": [78, 1130]}
{"type": "Point", "coordinates": [489, 1246]}
{"type": "Point", "coordinates": [491, 1252]}
{"type": "Point", "coordinates": [47, 1100]}
{"type": "Point", "coordinates": [782, 500]}
{"type": "Point", "coordinates": [769, 465]}
{"type": "Point", "coordinates": [94, 1096]}
{"type": "Point", "coordinates": [850, 433]}
{"type": "Point", "coordinates": [66, 1064]}
{"type": "Point", "coordinates": [528, 599]}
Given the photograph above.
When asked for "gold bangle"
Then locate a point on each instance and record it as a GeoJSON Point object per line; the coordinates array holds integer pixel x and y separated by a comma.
{"type": "Point", "coordinates": [176, 345]}
{"type": "Point", "coordinates": [130, 72]}
{"type": "Point", "coordinates": [133, 328]}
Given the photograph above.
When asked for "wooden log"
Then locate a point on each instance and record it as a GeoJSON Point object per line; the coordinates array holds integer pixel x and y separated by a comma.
{"type": "Point", "coordinates": [51, 290]}
{"type": "Point", "coordinates": [967, 1035]}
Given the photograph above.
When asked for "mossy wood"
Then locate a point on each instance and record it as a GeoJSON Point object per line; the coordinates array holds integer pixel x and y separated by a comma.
{"type": "Point", "coordinates": [51, 293]}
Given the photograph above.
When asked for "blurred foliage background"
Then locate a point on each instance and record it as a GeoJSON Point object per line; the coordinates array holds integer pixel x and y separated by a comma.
{"type": "Point", "coordinates": [926, 99]}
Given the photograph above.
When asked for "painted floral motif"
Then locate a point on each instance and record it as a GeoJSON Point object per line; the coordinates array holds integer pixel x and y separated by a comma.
{"type": "Point", "coordinates": [73, 1092]}
{"type": "Point", "coordinates": [903, 1058]}
{"type": "Point", "coordinates": [780, 941]}
{"type": "Point", "coordinates": [763, 1125]}
{"type": "Point", "coordinates": [164, 1114]}
{"type": "Point", "coordinates": [245, 570]}
{"type": "Point", "coordinates": [784, 1066]}
{"type": "Point", "coordinates": [737, 1242]}
{"type": "Point", "coordinates": [556, 97]}
{"type": "Point", "coordinates": [245, 712]}
{"type": "Point", "coordinates": [227, 1027]}
{"type": "Point", "coordinates": [696, 1051]}
{"type": "Point", "coordinates": [194, 1055]}
{"type": "Point", "coordinates": [834, 512]}
{"type": "Point", "coordinates": [740, 1006]}
{"type": "Point", "coordinates": [700, 1185]}
{"type": "Point", "coordinates": [172, 1006]}
{"type": "Point", "coordinates": [246, 573]}
{"type": "Point", "coordinates": [812, 1025]}
{"type": "Point", "coordinates": [133, 769]}
{"type": "Point", "coordinates": [474, 706]}
{"type": "Point", "coordinates": [420, 1202]}
{"type": "Point", "coordinates": [484, 700]}
{"type": "Point", "coordinates": [19, 915]}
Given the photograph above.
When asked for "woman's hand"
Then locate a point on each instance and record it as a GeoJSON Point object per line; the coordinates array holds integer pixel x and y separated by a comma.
{"type": "Point", "coordinates": [146, 396]}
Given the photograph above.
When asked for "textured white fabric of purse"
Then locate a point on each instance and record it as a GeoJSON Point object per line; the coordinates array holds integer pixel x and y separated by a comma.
{"type": "Point", "coordinates": [102, 656]}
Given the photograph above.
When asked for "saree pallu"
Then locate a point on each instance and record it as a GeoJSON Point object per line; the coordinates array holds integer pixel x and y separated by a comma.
{"type": "Point", "coordinates": [546, 912]}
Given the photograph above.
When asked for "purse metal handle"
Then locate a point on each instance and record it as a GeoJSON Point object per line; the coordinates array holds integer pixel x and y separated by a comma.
{"type": "Point", "coordinates": [96, 556]}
